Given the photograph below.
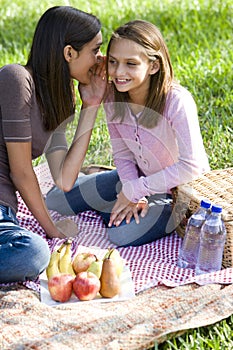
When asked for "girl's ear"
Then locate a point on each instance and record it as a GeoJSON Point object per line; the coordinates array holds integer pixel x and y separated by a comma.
{"type": "Point", "coordinates": [155, 67]}
{"type": "Point", "coordinates": [68, 53]}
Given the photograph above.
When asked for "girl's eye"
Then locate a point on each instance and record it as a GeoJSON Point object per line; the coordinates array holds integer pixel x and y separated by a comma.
{"type": "Point", "coordinates": [112, 61]}
{"type": "Point", "coordinates": [131, 64]}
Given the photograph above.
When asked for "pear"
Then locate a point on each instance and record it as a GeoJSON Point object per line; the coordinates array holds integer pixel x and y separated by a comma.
{"type": "Point", "coordinates": [115, 255]}
{"type": "Point", "coordinates": [110, 282]}
{"type": "Point", "coordinates": [96, 267]}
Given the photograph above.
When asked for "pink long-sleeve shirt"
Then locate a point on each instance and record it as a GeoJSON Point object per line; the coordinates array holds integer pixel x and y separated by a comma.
{"type": "Point", "coordinates": [155, 160]}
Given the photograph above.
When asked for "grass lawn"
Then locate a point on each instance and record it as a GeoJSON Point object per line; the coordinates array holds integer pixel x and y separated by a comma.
{"type": "Point", "coordinates": [199, 37]}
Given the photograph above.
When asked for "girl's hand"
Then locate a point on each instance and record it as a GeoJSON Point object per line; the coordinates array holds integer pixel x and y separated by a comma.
{"type": "Point", "coordinates": [124, 209]}
{"type": "Point", "coordinates": [56, 234]}
{"type": "Point", "coordinates": [92, 94]}
{"type": "Point", "coordinates": [67, 227]}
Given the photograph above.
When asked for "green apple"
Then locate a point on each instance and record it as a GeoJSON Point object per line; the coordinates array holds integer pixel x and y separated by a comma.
{"type": "Point", "coordinates": [96, 267]}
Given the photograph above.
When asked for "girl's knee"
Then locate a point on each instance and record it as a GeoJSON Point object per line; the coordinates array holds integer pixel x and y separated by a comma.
{"type": "Point", "coordinates": [26, 254]}
{"type": "Point", "coordinates": [117, 236]}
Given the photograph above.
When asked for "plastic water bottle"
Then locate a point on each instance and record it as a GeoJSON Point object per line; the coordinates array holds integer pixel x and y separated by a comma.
{"type": "Point", "coordinates": [212, 240]}
{"type": "Point", "coordinates": [190, 246]}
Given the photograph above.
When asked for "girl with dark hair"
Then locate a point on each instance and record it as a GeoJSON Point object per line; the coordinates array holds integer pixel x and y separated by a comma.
{"type": "Point", "coordinates": [156, 141]}
{"type": "Point", "coordinates": [36, 103]}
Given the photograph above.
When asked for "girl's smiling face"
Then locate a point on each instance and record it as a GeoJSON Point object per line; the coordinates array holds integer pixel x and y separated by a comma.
{"type": "Point", "coordinates": [130, 69]}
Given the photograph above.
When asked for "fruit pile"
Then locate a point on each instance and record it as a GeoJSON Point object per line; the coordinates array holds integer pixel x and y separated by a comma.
{"type": "Point", "coordinates": [85, 274]}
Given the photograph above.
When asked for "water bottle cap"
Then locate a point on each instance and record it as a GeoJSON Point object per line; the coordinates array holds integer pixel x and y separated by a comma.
{"type": "Point", "coordinates": [216, 208]}
{"type": "Point", "coordinates": [205, 203]}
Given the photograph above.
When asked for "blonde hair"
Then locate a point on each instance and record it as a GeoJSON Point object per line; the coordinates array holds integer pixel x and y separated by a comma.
{"type": "Point", "coordinates": [150, 38]}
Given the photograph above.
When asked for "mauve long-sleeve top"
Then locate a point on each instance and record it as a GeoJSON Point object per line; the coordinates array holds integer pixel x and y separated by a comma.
{"type": "Point", "coordinates": [151, 161]}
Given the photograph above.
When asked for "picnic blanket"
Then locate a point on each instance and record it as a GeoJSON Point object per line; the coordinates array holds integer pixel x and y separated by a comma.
{"type": "Point", "coordinates": [157, 310]}
{"type": "Point", "coordinates": [151, 265]}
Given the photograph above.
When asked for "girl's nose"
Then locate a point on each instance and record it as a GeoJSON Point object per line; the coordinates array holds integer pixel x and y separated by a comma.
{"type": "Point", "coordinates": [99, 58]}
{"type": "Point", "coordinates": [120, 69]}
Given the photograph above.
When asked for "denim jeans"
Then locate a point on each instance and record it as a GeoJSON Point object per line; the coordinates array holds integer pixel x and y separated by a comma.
{"type": "Point", "coordinates": [23, 254]}
{"type": "Point", "coordinates": [98, 192]}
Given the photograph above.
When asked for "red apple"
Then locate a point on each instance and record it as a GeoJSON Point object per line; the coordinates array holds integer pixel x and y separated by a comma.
{"type": "Point", "coordinates": [82, 261]}
{"type": "Point", "coordinates": [60, 287]}
{"type": "Point", "coordinates": [86, 285]}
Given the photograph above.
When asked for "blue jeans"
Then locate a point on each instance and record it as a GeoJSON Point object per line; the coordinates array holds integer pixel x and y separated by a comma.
{"type": "Point", "coordinates": [98, 192]}
{"type": "Point", "coordinates": [23, 254]}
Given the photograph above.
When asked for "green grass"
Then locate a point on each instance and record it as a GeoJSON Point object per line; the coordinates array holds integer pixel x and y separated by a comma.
{"type": "Point", "coordinates": [215, 337]}
{"type": "Point", "coordinates": [199, 37]}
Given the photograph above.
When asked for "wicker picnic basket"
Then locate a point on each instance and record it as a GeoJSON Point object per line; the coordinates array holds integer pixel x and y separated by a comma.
{"type": "Point", "coordinates": [217, 186]}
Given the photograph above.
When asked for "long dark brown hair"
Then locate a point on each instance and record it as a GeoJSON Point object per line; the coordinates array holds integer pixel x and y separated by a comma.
{"type": "Point", "coordinates": [147, 35]}
{"type": "Point", "coordinates": [59, 26]}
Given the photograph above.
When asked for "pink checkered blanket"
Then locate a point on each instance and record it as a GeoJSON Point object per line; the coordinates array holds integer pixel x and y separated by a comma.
{"type": "Point", "coordinates": [150, 265]}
